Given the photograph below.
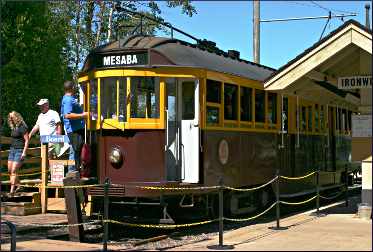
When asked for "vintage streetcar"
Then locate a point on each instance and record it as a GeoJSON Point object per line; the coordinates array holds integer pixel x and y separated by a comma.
{"type": "Point", "coordinates": [165, 112]}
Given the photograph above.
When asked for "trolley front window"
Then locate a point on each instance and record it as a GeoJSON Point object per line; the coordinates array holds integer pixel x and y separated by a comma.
{"type": "Point", "coordinates": [93, 99]}
{"type": "Point", "coordinates": [144, 97]}
{"type": "Point", "coordinates": [109, 98]}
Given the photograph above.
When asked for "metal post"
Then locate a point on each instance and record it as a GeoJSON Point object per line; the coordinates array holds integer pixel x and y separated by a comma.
{"type": "Point", "coordinates": [318, 192]}
{"type": "Point", "coordinates": [106, 212]}
{"type": "Point", "coordinates": [278, 199]}
{"type": "Point", "coordinates": [346, 185]}
{"type": "Point", "coordinates": [221, 218]}
{"type": "Point", "coordinates": [12, 228]}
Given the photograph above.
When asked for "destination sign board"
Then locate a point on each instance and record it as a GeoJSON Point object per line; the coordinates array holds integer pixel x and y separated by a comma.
{"type": "Point", "coordinates": [354, 82]}
{"type": "Point", "coordinates": [54, 139]}
{"type": "Point", "coordinates": [121, 59]}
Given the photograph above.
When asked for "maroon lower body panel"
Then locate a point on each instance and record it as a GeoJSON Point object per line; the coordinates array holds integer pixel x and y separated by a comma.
{"type": "Point", "coordinates": [143, 157]}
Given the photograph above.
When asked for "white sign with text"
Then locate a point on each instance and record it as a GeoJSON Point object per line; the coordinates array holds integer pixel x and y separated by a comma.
{"type": "Point", "coordinates": [353, 82]}
{"type": "Point", "coordinates": [361, 126]}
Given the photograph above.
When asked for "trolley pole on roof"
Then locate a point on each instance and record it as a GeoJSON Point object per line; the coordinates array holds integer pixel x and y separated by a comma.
{"type": "Point", "coordinates": [256, 30]}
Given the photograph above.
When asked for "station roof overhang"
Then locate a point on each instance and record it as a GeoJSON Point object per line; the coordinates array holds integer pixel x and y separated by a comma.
{"type": "Point", "coordinates": [347, 51]}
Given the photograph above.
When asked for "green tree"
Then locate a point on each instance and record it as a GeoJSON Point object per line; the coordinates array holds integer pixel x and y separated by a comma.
{"type": "Point", "coordinates": [92, 23]}
{"type": "Point", "coordinates": [33, 58]}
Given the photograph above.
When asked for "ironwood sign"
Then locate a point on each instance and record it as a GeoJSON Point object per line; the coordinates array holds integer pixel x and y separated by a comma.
{"type": "Point", "coordinates": [353, 82]}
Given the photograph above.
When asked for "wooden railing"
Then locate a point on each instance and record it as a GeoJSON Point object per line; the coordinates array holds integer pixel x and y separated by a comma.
{"type": "Point", "coordinates": [31, 164]}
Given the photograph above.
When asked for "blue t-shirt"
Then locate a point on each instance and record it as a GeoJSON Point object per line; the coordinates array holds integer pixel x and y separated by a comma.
{"type": "Point", "coordinates": [69, 105]}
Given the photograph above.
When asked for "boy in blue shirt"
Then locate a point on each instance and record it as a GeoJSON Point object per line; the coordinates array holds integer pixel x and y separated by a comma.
{"type": "Point", "coordinates": [73, 119]}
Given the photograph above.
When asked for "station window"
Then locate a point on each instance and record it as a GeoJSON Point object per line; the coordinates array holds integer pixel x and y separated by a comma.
{"type": "Point", "coordinates": [317, 117]}
{"type": "Point", "coordinates": [272, 108]}
{"type": "Point", "coordinates": [310, 118]}
{"type": "Point", "coordinates": [246, 104]}
{"type": "Point", "coordinates": [259, 105]}
{"type": "Point", "coordinates": [93, 101]}
{"type": "Point", "coordinates": [230, 102]}
{"type": "Point", "coordinates": [109, 98]}
{"type": "Point", "coordinates": [144, 97]}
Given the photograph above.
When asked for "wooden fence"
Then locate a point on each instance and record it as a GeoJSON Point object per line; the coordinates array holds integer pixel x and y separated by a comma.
{"type": "Point", "coordinates": [30, 172]}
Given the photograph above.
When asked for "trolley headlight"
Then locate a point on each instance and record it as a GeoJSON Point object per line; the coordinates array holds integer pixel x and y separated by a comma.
{"type": "Point", "coordinates": [116, 157]}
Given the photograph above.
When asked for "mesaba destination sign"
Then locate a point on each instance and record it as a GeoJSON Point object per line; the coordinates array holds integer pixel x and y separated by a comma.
{"type": "Point", "coordinates": [354, 82]}
{"type": "Point", "coordinates": [123, 60]}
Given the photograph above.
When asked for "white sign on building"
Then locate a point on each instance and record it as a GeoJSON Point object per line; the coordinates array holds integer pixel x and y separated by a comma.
{"type": "Point", "coordinates": [361, 126]}
{"type": "Point", "coordinates": [353, 82]}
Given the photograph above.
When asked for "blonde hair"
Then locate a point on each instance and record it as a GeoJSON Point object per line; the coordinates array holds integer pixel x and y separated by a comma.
{"type": "Point", "coordinates": [17, 120]}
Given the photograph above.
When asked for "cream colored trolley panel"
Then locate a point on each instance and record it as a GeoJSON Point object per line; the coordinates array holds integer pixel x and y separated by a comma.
{"type": "Point", "coordinates": [188, 93]}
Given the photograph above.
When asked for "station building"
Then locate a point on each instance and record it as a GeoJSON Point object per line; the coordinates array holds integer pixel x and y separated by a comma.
{"type": "Point", "coordinates": [337, 70]}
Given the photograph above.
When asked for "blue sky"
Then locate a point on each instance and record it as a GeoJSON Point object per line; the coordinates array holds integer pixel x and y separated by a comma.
{"type": "Point", "coordinates": [229, 24]}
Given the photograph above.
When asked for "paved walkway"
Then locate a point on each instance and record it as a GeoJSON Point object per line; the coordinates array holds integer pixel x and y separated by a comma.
{"type": "Point", "coordinates": [337, 229]}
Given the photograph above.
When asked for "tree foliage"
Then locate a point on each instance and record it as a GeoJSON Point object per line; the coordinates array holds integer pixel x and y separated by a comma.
{"type": "Point", "coordinates": [33, 61]}
{"type": "Point", "coordinates": [44, 43]}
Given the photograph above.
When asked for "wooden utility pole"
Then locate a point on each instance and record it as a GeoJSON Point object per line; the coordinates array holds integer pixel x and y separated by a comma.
{"type": "Point", "coordinates": [44, 177]}
{"type": "Point", "coordinates": [256, 30]}
{"type": "Point", "coordinates": [367, 21]}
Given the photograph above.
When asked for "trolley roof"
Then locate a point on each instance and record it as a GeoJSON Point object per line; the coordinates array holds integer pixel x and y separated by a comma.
{"type": "Point", "coordinates": [162, 51]}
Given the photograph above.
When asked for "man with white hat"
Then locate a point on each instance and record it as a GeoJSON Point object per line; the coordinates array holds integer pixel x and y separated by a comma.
{"type": "Point", "coordinates": [48, 123]}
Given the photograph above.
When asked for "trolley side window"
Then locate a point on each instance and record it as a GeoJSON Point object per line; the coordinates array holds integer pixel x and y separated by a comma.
{"type": "Point", "coordinates": [213, 91]}
{"type": "Point", "coordinates": [322, 118]}
{"type": "Point", "coordinates": [317, 118]}
{"type": "Point", "coordinates": [144, 97]}
{"type": "Point", "coordinates": [230, 102]}
{"type": "Point", "coordinates": [246, 104]}
{"type": "Point", "coordinates": [213, 99]}
{"type": "Point", "coordinates": [303, 119]}
{"type": "Point", "coordinates": [309, 118]}
{"type": "Point", "coordinates": [259, 105]}
{"type": "Point", "coordinates": [272, 108]}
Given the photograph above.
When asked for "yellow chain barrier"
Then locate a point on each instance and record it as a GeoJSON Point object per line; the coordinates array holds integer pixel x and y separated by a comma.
{"type": "Point", "coordinates": [62, 186]}
{"type": "Point", "coordinates": [24, 174]}
{"type": "Point", "coordinates": [251, 218]}
{"type": "Point", "coordinates": [164, 226]}
{"type": "Point", "coordinates": [295, 178]}
{"type": "Point", "coordinates": [57, 225]}
{"type": "Point", "coordinates": [333, 197]}
{"type": "Point", "coordinates": [298, 203]}
{"type": "Point", "coordinates": [250, 189]}
{"type": "Point", "coordinates": [177, 188]}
